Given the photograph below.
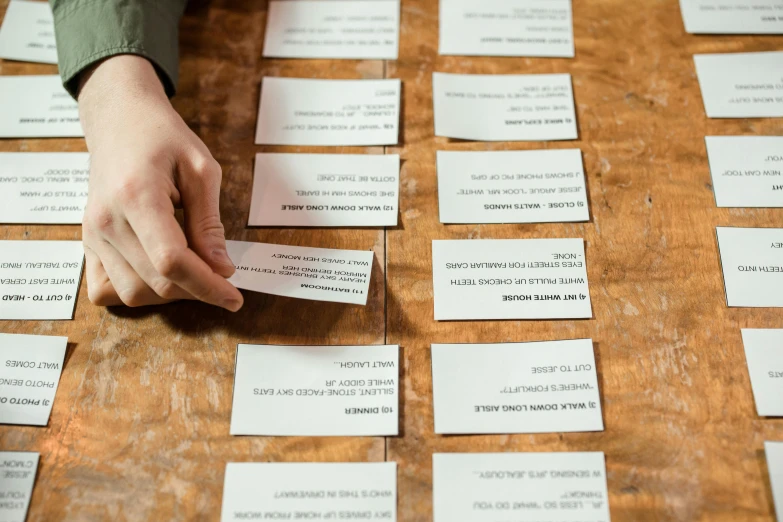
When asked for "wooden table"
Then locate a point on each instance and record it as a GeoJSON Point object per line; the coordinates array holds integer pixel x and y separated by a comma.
{"type": "Point", "coordinates": [139, 429]}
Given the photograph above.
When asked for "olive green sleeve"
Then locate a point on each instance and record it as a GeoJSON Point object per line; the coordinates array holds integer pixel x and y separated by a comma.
{"type": "Point", "coordinates": [90, 30]}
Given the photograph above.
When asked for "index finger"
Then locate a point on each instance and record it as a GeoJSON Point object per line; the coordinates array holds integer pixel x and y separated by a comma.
{"type": "Point", "coordinates": [166, 246]}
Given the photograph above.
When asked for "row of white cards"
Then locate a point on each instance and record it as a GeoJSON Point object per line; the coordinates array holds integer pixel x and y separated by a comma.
{"type": "Point", "coordinates": [539, 387]}
{"type": "Point", "coordinates": [294, 111]}
{"type": "Point", "coordinates": [370, 30]}
{"type": "Point", "coordinates": [746, 172]}
{"type": "Point", "coordinates": [339, 190]}
{"type": "Point", "coordinates": [503, 279]}
{"type": "Point", "coordinates": [476, 487]}
{"type": "Point", "coordinates": [333, 190]}
{"type": "Point", "coordinates": [535, 107]}
{"type": "Point", "coordinates": [535, 387]}
{"type": "Point", "coordinates": [526, 107]}
{"type": "Point", "coordinates": [351, 29]}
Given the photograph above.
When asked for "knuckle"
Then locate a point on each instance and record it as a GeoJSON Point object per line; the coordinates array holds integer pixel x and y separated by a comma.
{"type": "Point", "coordinates": [168, 262]}
{"type": "Point", "coordinates": [129, 189]}
{"type": "Point", "coordinates": [165, 288]}
{"type": "Point", "coordinates": [100, 220]}
{"type": "Point", "coordinates": [207, 169]}
{"type": "Point", "coordinates": [102, 294]}
{"type": "Point", "coordinates": [132, 296]}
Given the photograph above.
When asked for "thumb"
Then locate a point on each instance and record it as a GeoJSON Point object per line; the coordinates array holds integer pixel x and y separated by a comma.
{"type": "Point", "coordinates": [199, 186]}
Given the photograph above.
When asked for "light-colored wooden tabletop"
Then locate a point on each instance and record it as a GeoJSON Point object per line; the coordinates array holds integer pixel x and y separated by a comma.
{"type": "Point", "coordinates": [140, 425]}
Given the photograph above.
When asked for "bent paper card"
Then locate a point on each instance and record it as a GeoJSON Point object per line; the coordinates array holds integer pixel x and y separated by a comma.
{"type": "Point", "coordinates": [39, 279]}
{"type": "Point", "coordinates": [37, 107]}
{"type": "Point", "coordinates": [522, 107]}
{"type": "Point", "coordinates": [535, 186]}
{"type": "Point", "coordinates": [320, 274]}
{"type": "Point", "coordinates": [43, 187]}
{"type": "Point", "coordinates": [537, 387]}
{"type": "Point", "coordinates": [27, 32]}
{"type": "Point", "coordinates": [524, 487]}
{"type": "Point", "coordinates": [30, 368]}
{"type": "Point", "coordinates": [355, 29]}
{"type": "Point", "coordinates": [315, 390]}
{"type": "Point", "coordinates": [325, 190]}
{"type": "Point", "coordinates": [297, 111]}
{"type": "Point", "coordinates": [281, 490]}
{"type": "Point", "coordinates": [506, 28]}
{"type": "Point", "coordinates": [741, 85]}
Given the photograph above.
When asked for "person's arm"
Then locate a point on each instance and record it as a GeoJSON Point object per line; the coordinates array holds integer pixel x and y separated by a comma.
{"type": "Point", "coordinates": [88, 31]}
{"type": "Point", "coordinates": [145, 161]}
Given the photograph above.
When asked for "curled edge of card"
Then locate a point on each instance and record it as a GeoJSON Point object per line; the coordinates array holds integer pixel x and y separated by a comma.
{"type": "Point", "coordinates": [318, 274]}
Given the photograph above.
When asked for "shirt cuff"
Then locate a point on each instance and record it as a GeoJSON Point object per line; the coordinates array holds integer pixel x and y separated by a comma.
{"type": "Point", "coordinates": [88, 31]}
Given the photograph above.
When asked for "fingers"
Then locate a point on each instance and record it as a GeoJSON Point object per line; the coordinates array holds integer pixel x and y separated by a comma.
{"type": "Point", "coordinates": [127, 245]}
{"type": "Point", "coordinates": [152, 220]}
{"type": "Point", "coordinates": [127, 285]}
{"type": "Point", "coordinates": [99, 289]}
{"type": "Point", "coordinates": [200, 191]}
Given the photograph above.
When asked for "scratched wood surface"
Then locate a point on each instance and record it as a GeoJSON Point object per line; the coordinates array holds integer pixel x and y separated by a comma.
{"type": "Point", "coordinates": [139, 429]}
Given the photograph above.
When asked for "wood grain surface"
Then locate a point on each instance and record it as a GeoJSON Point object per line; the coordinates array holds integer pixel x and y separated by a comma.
{"type": "Point", "coordinates": [139, 429]}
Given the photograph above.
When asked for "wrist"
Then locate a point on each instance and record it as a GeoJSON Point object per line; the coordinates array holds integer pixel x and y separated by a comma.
{"type": "Point", "coordinates": [113, 83]}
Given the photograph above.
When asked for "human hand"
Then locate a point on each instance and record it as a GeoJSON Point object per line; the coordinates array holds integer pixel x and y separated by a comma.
{"type": "Point", "coordinates": [145, 162]}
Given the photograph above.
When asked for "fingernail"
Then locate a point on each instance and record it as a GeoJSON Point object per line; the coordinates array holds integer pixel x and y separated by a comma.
{"type": "Point", "coordinates": [232, 305]}
{"type": "Point", "coordinates": [221, 256]}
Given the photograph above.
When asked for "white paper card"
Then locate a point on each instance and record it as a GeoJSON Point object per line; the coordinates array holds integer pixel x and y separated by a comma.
{"type": "Point", "coordinates": [17, 477]}
{"type": "Point", "coordinates": [741, 85]}
{"type": "Point", "coordinates": [539, 387]}
{"type": "Point", "coordinates": [764, 354]}
{"type": "Point", "coordinates": [305, 491]}
{"type": "Point", "coordinates": [356, 29]}
{"type": "Point", "coordinates": [30, 367]}
{"type": "Point", "coordinates": [39, 279]}
{"type": "Point", "coordinates": [774, 452]}
{"type": "Point", "coordinates": [524, 107]}
{"type": "Point", "coordinates": [506, 28]}
{"type": "Point", "coordinates": [297, 111]}
{"type": "Point", "coordinates": [536, 186]}
{"type": "Point", "coordinates": [27, 32]}
{"type": "Point", "coordinates": [315, 390]}
{"type": "Point", "coordinates": [43, 187]}
{"type": "Point", "coordinates": [747, 171]}
{"type": "Point", "coordinates": [523, 487]}
{"type": "Point", "coordinates": [320, 274]}
{"type": "Point", "coordinates": [732, 16]}
{"type": "Point", "coordinates": [37, 107]}
{"type": "Point", "coordinates": [325, 190]}
{"type": "Point", "coordinates": [510, 279]}
{"type": "Point", "coordinates": [752, 260]}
